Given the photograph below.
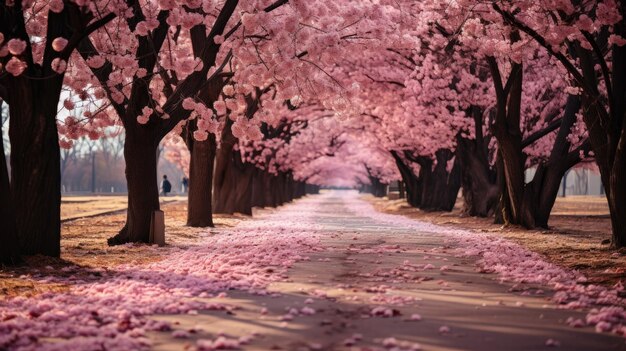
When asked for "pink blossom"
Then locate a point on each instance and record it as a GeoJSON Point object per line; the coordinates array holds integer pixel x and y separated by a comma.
{"type": "Point", "coordinates": [15, 66]}
{"type": "Point", "coordinates": [56, 5]}
{"type": "Point", "coordinates": [16, 46]}
{"type": "Point", "coordinates": [58, 65]}
{"type": "Point", "coordinates": [96, 61]}
{"type": "Point", "coordinates": [58, 44]}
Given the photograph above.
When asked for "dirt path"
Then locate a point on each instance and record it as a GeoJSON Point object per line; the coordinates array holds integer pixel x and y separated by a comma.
{"type": "Point", "coordinates": [374, 284]}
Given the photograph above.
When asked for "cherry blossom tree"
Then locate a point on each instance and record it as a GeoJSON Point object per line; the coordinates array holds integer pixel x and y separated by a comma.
{"type": "Point", "coordinates": [37, 39]}
{"type": "Point", "coordinates": [586, 39]}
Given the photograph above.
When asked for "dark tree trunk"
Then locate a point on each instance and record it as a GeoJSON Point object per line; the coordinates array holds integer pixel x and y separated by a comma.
{"type": "Point", "coordinates": [233, 178]}
{"type": "Point", "coordinates": [440, 186]}
{"type": "Point", "coordinates": [259, 198]}
{"type": "Point", "coordinates": [617, 195]}
{"type": "Point", "coordinates": [540, 194]}
{"type": "Point", "coordinates": [269, 189]}
{"type": "Point", "coordinates": [434, 188]}
{"type": "Point", "coordinates": [33, 98]}
{"type": "Point", "coordinates": [300, 189]}
{"type": "Point", "coordinates": [607, 131]}
{"type": "Point", "coordinates": [312, 189]}
{"type": "Point", "coordinates": [478, 179]}
{"type": "Point", "coordinates": [224, 182]}
{"type": "Point", "coordinates": [379, 189]}
{"type": "Point", "coordinates": [202, 161]}
{"type": "Point", "coordinates": [233, 188]}
{"type": "Point", "coordinates": [617, 179]}
{"type": "Point", "coordinates": [401, 193]}
{"type": "Point", "coordinates": [199, 202]}
{"type": "Point", "coordinates": [243, 190]}
{"type": "Point", "coordinates": [412, 182]}
{"type": "Point", "coordinates": [289, 187]}
{"type": "Point", "coordinates": [35, 169]}
{"type": "Point", "coordinates": [528, 204]}
{"type": "Point", "coordinates": [140, 152]}
{"type": "Point", "coordinates": [506, 129]}
{"type": "Point", "coordinates": [9, 245]}
{"type": "Point", "coordinates": [281, 180]}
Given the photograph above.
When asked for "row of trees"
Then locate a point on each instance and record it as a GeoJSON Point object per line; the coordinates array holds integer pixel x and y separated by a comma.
{"type": "Point", "coordinates": [268, 96]}
{"type": "Point", "coordinates": [496, 88]}
{"type": "Point", "coordinates": [153, 68]}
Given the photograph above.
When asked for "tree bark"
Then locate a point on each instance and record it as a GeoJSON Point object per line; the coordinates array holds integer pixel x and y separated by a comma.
{"type": "Point", "coordinates": [440, 186]}
{"type": "Point", "coordinates": [434, 188]}
{"type": "Point", "coordinates": [199, 202]}
{"type": "Point", "coordinates": [233, 177]}
{"type": "Point", "coordinates": [202, 161]}
{"type": "Point", "coordinates": [140, 152]}
{"type": "Point", "coordinates": [378, 189]}
{"type": "Point", "coordinates": [258, 188]}
{"type": "Point", "coordinates": [35, 169]}
{"type": "Point", "coordinates": [9, 247]}
{"type": "Point", "coordinates": [412, 182]}
{"type": "Point", "coordinates": [617, 181]}
{"type": "Point", "coordinates": [529, 204]}
{"type": "Point", "coordinates": [478, 178]}
{"type": "Point", "coordinates": [540, 194]}
{"type": "Point", "coordinates": [312, 189]}
{"type": "Point", "coordinates": [269, 181]}
{"type": "Point", "coordinates": [506, 129]}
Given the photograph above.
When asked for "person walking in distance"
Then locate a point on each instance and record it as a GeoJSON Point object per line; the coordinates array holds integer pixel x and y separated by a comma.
{"type": "Point", "coordinates": [166, 186]}
{"type": "Point", "coordinates": [185, 185]}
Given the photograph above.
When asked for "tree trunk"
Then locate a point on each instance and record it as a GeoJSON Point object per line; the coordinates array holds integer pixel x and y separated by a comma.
{"type": "Point", "coordinates": [242, 201]}
{"type": "Point", "coordinates": [440, 186]}
{"type": "Point", "coordinates": [35, 170]}
{"type": "Point", "coordinates": [401, 193]}
{"type": "Point", "coordinates": [269, 189]}
{"type": "Point", "coordinates": [199, 202]}
{"type": "Point", "coordinates": [377, 188]}
{"type": "Point", "coordinates": [224, 182]}
{"type": "Point", "coordinates": [233, 185]}
{"type": "Point", "coordinates": [258, 188]}
{"type": "Point", "coordinates": [617, 179]}
{"type": "Point", "coordinates": [540, 194]}
{"type": "Point", "coordinates": [506, 129]}
{"type": "Point", "coordinates": [412, 182]}
{"type": "Point", "coordinates": [609, 145]}
{"type": "Point", "coordinates": [202, 161]}
{"type": "Point", "coordinates": [9, 249]}
{"type": "Point", "coordinates": [312, 189]}
{"type": "Point", "coordinates": [33, 98]}
{"type": "Point", "coordinates": [279, 188]}
{"type": "Point", "coordinates": [140, 152]}
{"type": "Point", "coordinates": [480, 190]}
{"type": "Point", "coordinates": [617, 195]}
{"type": "Point", "coordinates": [478, 179]}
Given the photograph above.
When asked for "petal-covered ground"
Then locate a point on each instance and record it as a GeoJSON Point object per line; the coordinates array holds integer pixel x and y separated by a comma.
{"type": "Point", "coordinates": [325, 273]}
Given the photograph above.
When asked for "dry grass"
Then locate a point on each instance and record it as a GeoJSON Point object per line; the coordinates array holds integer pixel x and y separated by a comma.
{"type": "Point", "coordinates": [580, 227]}
{"type": "Point", "coordinates": [74, 207]}
{"type": "Point", "coordinates": [85, 253]}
